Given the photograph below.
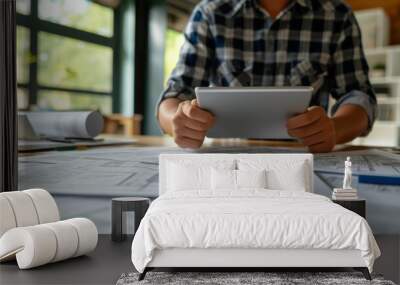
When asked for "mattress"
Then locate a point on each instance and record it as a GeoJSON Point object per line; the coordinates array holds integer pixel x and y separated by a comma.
{"type": "Point", "coordinates": [251, 219]}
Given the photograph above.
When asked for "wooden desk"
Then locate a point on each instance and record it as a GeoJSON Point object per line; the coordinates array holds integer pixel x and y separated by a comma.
{"type": "Point", "coordinates": [167, 141]}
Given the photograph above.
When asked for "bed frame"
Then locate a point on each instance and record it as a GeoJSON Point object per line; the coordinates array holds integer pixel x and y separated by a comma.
{"type": "Point", "coordinates": [260, 259]}
{"type": "Point", "coordinates": [236, 259]}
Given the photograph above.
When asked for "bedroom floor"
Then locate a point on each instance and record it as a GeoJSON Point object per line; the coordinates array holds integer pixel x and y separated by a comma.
{"type": "Point", "coordinates": [110, 260]}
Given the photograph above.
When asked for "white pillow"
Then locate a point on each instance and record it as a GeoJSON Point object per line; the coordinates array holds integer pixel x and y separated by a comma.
{"type": "Point", "coordinates": [293, 179]}
{"type": "Point", "coordinates": [184, 175]}
{"type": "Point", "coordinates": [226, 179]}
{"type": "Point", "coordinates": [223, 179]}
{"type": "Point", "coordinates": [281, 174]}
{"type": "Point", "coordinates": [251, 178]}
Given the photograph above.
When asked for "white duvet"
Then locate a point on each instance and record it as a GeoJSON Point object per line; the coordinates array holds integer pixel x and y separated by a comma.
{"type": "Point", "coordinates": [250, 219]}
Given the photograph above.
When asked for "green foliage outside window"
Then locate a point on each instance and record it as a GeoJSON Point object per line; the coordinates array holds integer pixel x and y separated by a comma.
{"type": "Point", "coordinates": [64, 62]}
{"type": "Point", "coordinates": [80, 14]}
{"type": "Point", "coordinates": [69, 101]}
{"type": "Point", "coordinates": [70, 63]}
{"type": "Point", "coordinates": [23, 55]}
{"type": "Point", "coordinates": [174, 41]}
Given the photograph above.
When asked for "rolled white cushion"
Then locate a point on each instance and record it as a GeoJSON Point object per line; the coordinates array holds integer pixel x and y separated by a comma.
{"type": "Point", "coordinates": [67, 240]}
{"type": "Point", "coordinates": [45, 205]}
{"type": "Point", "coordinates": [7, 218]}
{"type": "Point", "coordinates": [37, 245]}
{"type": "Point", "coordinates": [33, 246]}
{"type": "Point", "coordinates": [23, 208]}
{"type": "Point", "coordinates": [87, 235]}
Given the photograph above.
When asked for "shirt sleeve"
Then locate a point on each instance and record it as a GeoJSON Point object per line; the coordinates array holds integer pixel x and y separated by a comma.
{"type": "Point", "coordinates": [195, 60]}
{"type": "Point", "coordinates": [350, 68]}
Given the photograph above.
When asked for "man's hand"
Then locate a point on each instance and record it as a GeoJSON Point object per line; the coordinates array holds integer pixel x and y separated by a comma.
{"type": "Point", "coordinates": [190, 124]}
{"type": "Point", "coordinates": [314, 129]}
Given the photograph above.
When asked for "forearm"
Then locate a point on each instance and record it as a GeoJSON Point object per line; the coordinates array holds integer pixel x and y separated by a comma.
{"type": "Point", "coordinates": [350, 121]}
{"type": "Point", "coordinates": [166, 112]}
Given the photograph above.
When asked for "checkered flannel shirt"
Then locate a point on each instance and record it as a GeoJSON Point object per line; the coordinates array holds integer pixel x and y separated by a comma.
{"type": "Point", "coordinates": [311, 43]}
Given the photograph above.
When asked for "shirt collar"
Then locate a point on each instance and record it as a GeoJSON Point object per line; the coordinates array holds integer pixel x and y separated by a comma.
{"type": "Point", "coordinates": [240, 3]}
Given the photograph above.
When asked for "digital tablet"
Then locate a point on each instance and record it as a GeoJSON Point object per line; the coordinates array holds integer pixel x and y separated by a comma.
{"type": "Point", "coordinates": [252, 112]}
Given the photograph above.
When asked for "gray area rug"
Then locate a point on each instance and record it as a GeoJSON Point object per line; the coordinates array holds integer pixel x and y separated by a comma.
{"type": "Point", "coordinates": [244, 278]}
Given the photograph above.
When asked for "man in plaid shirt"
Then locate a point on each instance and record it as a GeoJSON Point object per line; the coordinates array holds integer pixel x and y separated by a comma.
{"type": "Point", "coordinates": [274, 43]}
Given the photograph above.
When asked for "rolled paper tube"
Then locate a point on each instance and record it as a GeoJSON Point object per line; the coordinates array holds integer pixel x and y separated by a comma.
{"type": "Point", "coordinates": [66, 124]}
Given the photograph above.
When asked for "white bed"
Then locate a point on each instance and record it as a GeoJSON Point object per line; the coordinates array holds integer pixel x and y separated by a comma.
{"type": "Point", "coordinates": [194, 223]}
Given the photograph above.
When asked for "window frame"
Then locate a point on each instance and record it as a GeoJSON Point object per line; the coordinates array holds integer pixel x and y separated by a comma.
{"type": "Point", "coordinates": [35, 25]}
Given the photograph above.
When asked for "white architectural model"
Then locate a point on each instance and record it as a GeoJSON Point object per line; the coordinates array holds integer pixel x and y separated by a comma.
{"type": "Point", "coordinates": [347, 174]}
{"type": "Point", "coordinates": [347, 192]}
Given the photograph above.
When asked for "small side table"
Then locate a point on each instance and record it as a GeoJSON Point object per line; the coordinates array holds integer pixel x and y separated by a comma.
{"type": "Point", "coordinates": [120, 206]}
{"type": "Point", "coordinates": [357, 206]}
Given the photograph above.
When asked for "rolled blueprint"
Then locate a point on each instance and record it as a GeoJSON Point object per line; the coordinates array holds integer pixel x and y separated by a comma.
{"type": "Point", "coordinates": [53, 124]}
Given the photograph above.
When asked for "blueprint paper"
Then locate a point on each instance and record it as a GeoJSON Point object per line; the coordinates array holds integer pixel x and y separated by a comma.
{"type": "Point", "coordinates": [133, 171]}
{"type": "Point", "coordinates": [122, 171]}
{"type": "Point", "coordinates": [364, 162]}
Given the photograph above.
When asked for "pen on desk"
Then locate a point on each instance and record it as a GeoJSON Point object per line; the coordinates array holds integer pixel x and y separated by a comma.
{"type": "Point", "coordinates": [57, 139]}
{"type": "Point", "coordinates": [72, 140]}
